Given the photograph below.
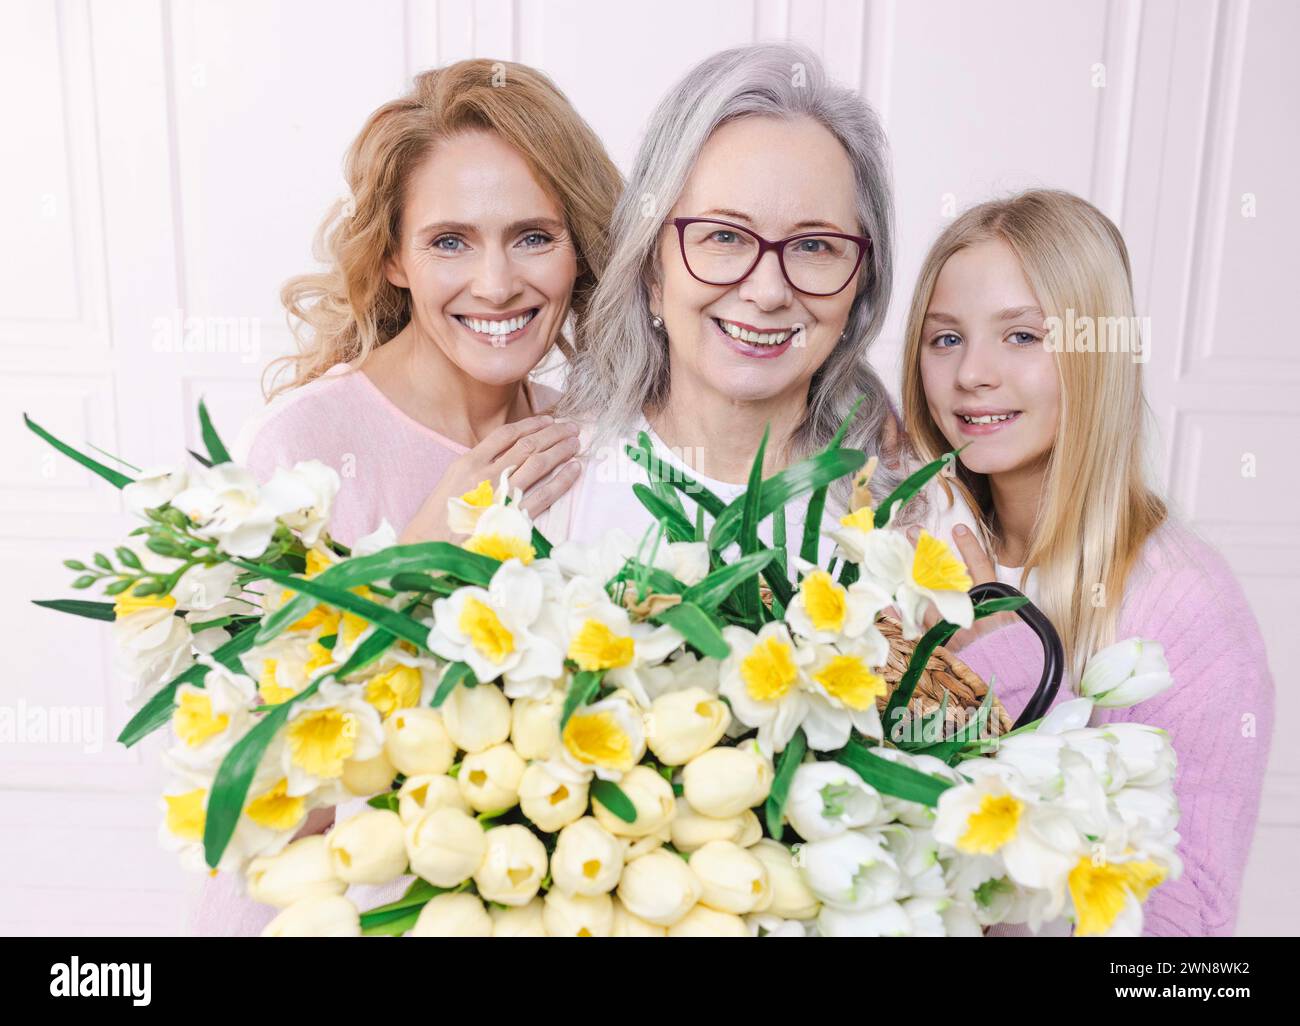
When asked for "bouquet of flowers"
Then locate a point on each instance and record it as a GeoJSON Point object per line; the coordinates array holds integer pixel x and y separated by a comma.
{"type": "Point", "coordinates": [682, 734]}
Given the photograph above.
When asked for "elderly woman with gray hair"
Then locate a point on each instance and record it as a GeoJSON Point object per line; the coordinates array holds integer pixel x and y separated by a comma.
{"type": "Point", "coordinates": [749, 273]}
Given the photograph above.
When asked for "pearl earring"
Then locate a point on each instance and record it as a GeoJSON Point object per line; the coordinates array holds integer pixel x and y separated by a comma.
{"type": "Point", "coordinates": [657, 322]}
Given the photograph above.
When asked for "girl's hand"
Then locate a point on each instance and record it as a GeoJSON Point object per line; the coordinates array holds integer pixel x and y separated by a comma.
{"type": "Point", "coordinates": [535, 447]}
{"type": "Point", "coordinates": [981, 570]}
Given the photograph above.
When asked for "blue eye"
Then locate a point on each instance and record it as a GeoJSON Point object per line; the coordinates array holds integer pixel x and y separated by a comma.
{"type": "Point", "coordinates": [438, 243]}
{"type": "Point", "coordinates": [1023, 338]}
{"type": "Point", "coordinates": [718, 236]}
{"type": "Point", "coordinates": [535, 240]}
{"type": "Point", "coordinates": [943, 341]}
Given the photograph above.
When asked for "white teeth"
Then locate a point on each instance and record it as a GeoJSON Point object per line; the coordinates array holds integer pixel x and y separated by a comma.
{"type": "Point", "coordinates": [761, 338]}
{"type": "Point", "coordinates": [987, 418]}
{"type": "Point", "coordinates": [497, 327]}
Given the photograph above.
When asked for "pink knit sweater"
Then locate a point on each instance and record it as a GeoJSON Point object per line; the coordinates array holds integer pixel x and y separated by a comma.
{"type": "Point", "coordinates": [1219, 716]}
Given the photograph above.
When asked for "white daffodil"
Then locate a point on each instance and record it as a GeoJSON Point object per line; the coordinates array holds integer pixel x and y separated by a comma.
{"type": "Point", "coordinates": [504, 533]}
{"type": "Point", "coordinates": [208, 721]}
{"type": "Point", "coordinates": [464, 511]}
{"type": "Point", "coordinates": [154, 488]}
{"type": "Point", "coordinates": [326, 730]}
{"type": "Point", "coordinates": [601, 636]}
{"type": "Point", "coordinates": [763, 680]}
{"type": "Point", "coordinates": [605, 738]}
{"type": "Point", "coordinates": [151, 644]}
{"type": "Point", "coordinates": [304, 497]}
{"type": "Point", "coordinates": [491, 630]}
{"type": "Point", "coordinates": [855, 533]}
{"type": "Point", "coordinates": [603, 559]}
{"type": "Point", "coordinates": [842, 692]}
{"type": "Point", "coordinates": [287, 664]}
{"type": "Point", "coordinates": [1126, 673]}
{"type": "Point", "coordinates": [824, 611]}
{"type": "Point", "coordinates": [227, 506]}
{"type": "Point", "coordinates": [850, 871]}
{"type": "Point", "coordinates": [930, 573]}
{"type": "Point", "coordinates": [382, 537]}
{"type": "Point", "coordinates": [996, 815]}
{"type": "Point", "coordinates": [683, 673]}
{"type": "Point", "coordinates": [827, 798]}
{"type": "Point", "coordinates": [1107, 893]}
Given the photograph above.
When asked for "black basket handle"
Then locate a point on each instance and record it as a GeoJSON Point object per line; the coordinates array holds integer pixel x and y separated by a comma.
{"type": "Point", "coordinates": [1053, 653]}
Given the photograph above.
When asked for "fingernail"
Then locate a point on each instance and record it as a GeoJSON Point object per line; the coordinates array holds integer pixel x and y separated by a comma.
{"type": "Point", "coordinates": [960, 529]}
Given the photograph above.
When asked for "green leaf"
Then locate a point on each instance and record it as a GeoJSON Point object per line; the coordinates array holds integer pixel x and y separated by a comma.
{"type": "Point", "coordinates": [810, 548]}
{"type": "Point", "coordinates": [747, 592]}
{"type": "Point", "coordinates": [676, 477]}
{"type": "Point", "coordinates": [676, 524]}
{"type": "Point", "coordinates": [779, 540]}
{"type": "Point", "coordinates": [891, 778]}
{"type": "Point", "coordinates": [783, 486]}
{"type": "Point", "coordinates": [582, 687]}
{"type": "Point", "coordinates": [441, 557]}
{"type": "Point", "coordinates": [391, 620]}
{"type": "Point", "coordinates": [216, 448]}
{"type": "Point", "coordinates": [697, 627]}
{"type": "Point", "coordinates": [113, 477]}
{"type": "Point", "coordinates": [904, 492]}
{"type": "Point", "coordinates": [203, 460]}
{"type": "Point", "coordinates": [774, 808]}
{"type": "Point", "coordinates": [79, 607]}
{"type": "Point", "coordinates": [541, 544]}
{"type": "Point", "coordinates": [709, 593]}
{"type": "Point", "coordinates": [158, 710]}
{"type": "Point", "coordinates": [610, 795]}
{"type": "Point", "coordinates": [387, 801]}
{"type": "Point", "coordinates": [84, 581]}
{"type": "Point", "coordinates": [399, 916]}
{"type": "Point", "coordinates": [456, 673]}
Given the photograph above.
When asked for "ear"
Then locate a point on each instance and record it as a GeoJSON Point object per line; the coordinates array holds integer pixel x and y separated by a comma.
{"type": "Point", "coordinates": [394, 273]}
{"type": "Point", "coordinates": [656, 303]}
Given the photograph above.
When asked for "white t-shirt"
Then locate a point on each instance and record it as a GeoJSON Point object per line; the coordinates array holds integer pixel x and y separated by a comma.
{"type": "Point", "coordinates": [943, 517]}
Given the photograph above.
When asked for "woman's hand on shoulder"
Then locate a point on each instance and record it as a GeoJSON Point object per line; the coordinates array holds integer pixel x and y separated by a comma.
{"type": "Point", "coordinates": [541, 450]}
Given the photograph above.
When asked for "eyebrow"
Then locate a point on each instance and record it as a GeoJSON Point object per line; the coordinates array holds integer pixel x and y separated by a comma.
{"type": "Point", "coordinates": [736, 215]}
{"type": "Point", "coordinates": [465, 228]}
{"type": "Point", "coordinates": [1011, 313]}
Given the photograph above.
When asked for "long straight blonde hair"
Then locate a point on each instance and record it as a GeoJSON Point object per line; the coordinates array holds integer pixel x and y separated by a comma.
{"type": "Point", "coordinates": [340, 314]}
{"type": "Point", "coordinates": [1096, 510]}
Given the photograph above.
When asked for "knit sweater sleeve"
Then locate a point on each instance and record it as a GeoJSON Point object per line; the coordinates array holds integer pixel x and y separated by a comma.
{"type": "Point", "coordinates": [1218, 715]}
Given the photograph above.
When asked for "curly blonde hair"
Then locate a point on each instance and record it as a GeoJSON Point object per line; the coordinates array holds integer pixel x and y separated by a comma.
{"type": "Point", "coordinates": [342, 313]}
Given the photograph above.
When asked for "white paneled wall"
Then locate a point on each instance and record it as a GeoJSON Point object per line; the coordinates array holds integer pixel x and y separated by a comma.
{"type": "Point", "coordinates": [165, 165]}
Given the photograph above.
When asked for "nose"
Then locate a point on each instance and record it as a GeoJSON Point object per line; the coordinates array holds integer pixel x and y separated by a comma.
{"type": "Point", "coordinates": [495, 278]}
{"type": "Point", "coordinates": [766, 286]}
{"type": "Point", "coordinates": [979, 366]}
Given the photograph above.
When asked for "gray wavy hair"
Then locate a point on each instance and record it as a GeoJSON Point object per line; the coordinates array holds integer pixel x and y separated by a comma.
{"type": "Point", "coordinates": [622, 367]}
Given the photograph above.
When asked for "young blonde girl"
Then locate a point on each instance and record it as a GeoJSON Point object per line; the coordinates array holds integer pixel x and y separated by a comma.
{"type": "Point", "coordinates": [1051, 480]}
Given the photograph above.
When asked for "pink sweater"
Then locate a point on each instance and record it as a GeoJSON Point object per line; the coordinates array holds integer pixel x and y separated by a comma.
{"type": "Point", "coordinates": [1218, 713]}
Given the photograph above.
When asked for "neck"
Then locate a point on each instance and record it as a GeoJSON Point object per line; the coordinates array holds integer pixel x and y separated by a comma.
{"type": "Point", "coordinates": [719, 436]}
{"type": "Point", "coordinates": [1017, 496]}
{"type": "Point", "coordinates": [412, 370]}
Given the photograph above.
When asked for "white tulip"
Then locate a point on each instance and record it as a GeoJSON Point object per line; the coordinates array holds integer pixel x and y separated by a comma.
{"type": "Point", "coordinates": [684, 724]}
{"type": "Point", "coordinates": [518, 920]}
{"type": "Point", "coordinates": [489, 780]}
{"type": "Point", "coordinates": [513, 866]}
{"type": "Point", "coordinates": [320, 915]}
{"type": "Point", "coordinates": [535, 725]}
{"type": "Point", "coordinates": [577, 915]}
{"type": "Point", "coordinates": [417, 742]}
{"type": "Point", "coordinates": [628, 925]}
{"type": "Point", "coordinates": [888, 919]}
{"type": "Point", "coordinates": [659, 888]}
{"type": "Point", "coordinates": [827, 798]}
{"type": "Point", "coordinates": [452, 915]}
{"type": "Point", "coordinates": [368, 848]}
{"type": "Point", "coordinates": [690, 829]}
{"type": "Point", "coordinates": [1149, 759]}
{"type": "Point", "coordinates": [702, 921]}
{"type": "Point", "coordinates": [549, 802]}
{"type": "Point", "coordinates": [652, 797]}
{"type": "Point", "coordinates": [588, 859]}
{"type": "Point", "coordinates": [725, 782]}
{"type": "Point", "coordinates": [476, 718]}
{"type": "Point", "coordinates": [301, 870]}
{"type": "Point", "coordinates": [428, 791]}
{"type": "Point", "coordinates": [734, 880]}
{"type": "Point", "coordinates": [851, 871]}
{"type": "Point", "coordinates": [445, 846]}
{"type": "Point", "coordinates": [1126, 673]}
{"type": "Point", "coordinates": [764, 924]}
{"type": "Point", "coordinates": [366, 777]}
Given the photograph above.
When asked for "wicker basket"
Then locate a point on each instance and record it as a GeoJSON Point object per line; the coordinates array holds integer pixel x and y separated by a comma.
{"type": "Point", "coordinates": [943, 672]}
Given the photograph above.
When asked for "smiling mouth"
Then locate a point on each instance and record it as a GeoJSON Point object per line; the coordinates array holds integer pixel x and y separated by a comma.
{"type": "Point", "coordinates": [754, 336]}
{"type": "Point", "coordinates": [989, 418]}
{"type": "Point", "coordinates": [498, 328]}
